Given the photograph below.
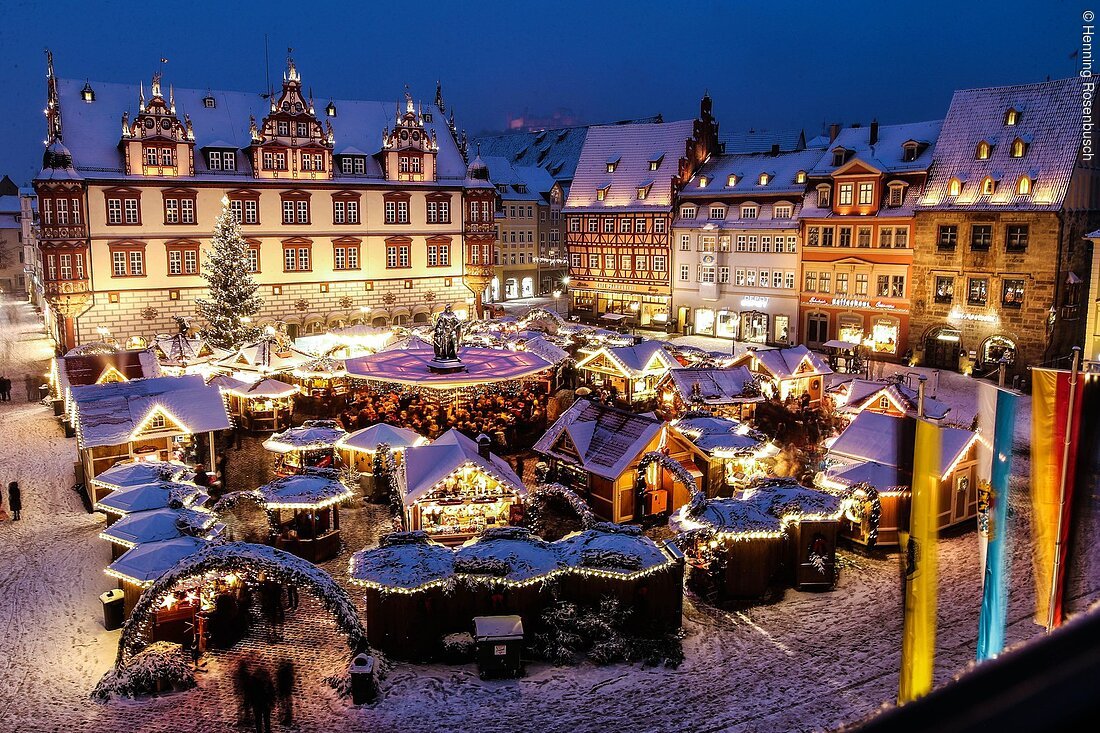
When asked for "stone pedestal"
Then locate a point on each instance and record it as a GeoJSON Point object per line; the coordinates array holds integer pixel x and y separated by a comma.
{"type": "Point", "coordinates": [446, 366]}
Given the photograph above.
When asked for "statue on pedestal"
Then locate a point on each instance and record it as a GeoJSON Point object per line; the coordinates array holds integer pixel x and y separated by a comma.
{"type": "Point", "coordinates": [446, 337]}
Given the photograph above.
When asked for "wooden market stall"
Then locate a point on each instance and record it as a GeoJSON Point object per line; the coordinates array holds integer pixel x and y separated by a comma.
{"type": "Point", "coordinates": [723, 392]}
{"type": "Point", "coordinates": [306, 513]}
{"type": "Point", "coordinates": [598, 451]}
{"type": "Point", "coordinates": [453, 488]}
{"type": "Point", "coordinates": [875, 452]}
{"type": "Point", "coordinates": [891, 397]}
{"type": "Point", "coordinates": [270, 355]}
{"type": "Point", "coordinates": [96, 363]}
{"type": "Point", "coordinates": [155, 525]}
{"type": "Point", "coordinates": [141, 565]}
{"type": "Point", "coordinates": [126, 474]}
{"type": "Point", "coordinates": [357, 450]}
{"type": "Point", "coordinates": [266, 404]}
{"type": "Point", "coordinates": [729, 454]}
{"type": "Point", "coordinates": [162, 418]}
{"type": "Point", "coordinates": [181, 353]}
{"type": "Point", "coordinates": [311, 445]}
{"type": "Point", "coordinates": [322, 378]}
{"type": "Point", "coordinates": [788, 373]}
{"type": "Point", "coordinates": [630, 373]}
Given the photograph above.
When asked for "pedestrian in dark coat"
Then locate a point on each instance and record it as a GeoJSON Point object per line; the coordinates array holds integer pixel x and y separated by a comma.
{"type": "Point", "coordinates": [15, 500]}
{"type": "Point", "coordinates": [261, 694]}
{"type": "Point", "coordinates": [223, 462]}
{"type": "Point", "coordinates": [284, 691]}
{"type": "Point", "coordinates": [5, 389]}
{"type": "Point", "coordinates": [292, 599]}
{"type": "Point", "coordinates": [242, 682]}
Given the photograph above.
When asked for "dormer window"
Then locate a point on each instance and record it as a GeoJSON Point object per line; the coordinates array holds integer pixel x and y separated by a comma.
{"type": "Point", "coordinates": [687, 212]}
{"type": "Point", "coordinates": [643, 191]}
{"type": "Point", "coordinates": [1019, 148]}
{"type": "Point", "coordinates": [717, 212]}
{"type": "Point", "coordinates": [839, 156]}
{"type": "Point", "coordinates": [87, 93]}
{"type": "Point", "coordinates": [763, 179]}
{"type": "Point", "coordinates": [1023, 186]}
{"type": "Point", "coordinates": [984, 150]}
{"type": "Point", "coordinates": [749, 211]}
{"type": "Point", "coordinates": [502, 188]}
{"type": "Point", "coordinates": [731, 180]}
{"type": "Point", "coordinates": [655, 162]}
{"type": "Point", "coordinates": [823, 196]}
{"type": "Point", "coordinates": [330, 110]}
{"type": "Point", "coordinates": [613, 163]}
{"type": "Point", "coordinates": [521, 188]}
{"type": "Point", "coordinates": [909, 152]}
{"type": "Point", "coordinates": [987, 186]}
{"type": "Point", "coordinates": [954, 187]}
{"type": "Point", "coordinates": [896, 194]}
{"type": "Point", "coordinates": [800, 177]}
{"type": "Point", "coordinates": [703, 181]}
{"type": "Point", "coordinates": [601, 192]}
{"type": "Point", "coordinates": [1011, 117]}
{"type": "Point", "coordinates": [221, 160]}
{"type": "Point", "coordinates": [209, 102]}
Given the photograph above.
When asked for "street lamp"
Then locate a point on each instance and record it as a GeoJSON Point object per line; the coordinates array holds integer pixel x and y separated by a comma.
{"type": "Point", "coordinates": [634, 307]}
{"type": "Point", "coordinates": [557, 302]}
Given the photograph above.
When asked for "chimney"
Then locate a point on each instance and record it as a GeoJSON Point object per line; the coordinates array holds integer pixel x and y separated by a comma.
{"type": "Point", "coordinates": [775, 149]}
{"type": "Point", "coordinates": [874, 131]}
{"type": "Point", "coordinates": [483, 445]}
{"type": "Point", "coordinates": [834, 130]}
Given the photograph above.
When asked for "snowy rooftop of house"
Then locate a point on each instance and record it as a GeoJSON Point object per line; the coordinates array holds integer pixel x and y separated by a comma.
{"type": "Point", "coordinates": [406, 560]}
{"type": "Point", "coordinates": [314, 489]}
{"type": "Point", "coordinates": [426, 465]}
{"type": "Point", "coordinates": [135, 473]}
{"type": "Point", "coordinates": [882, 477]}
{"type": "Point", "coordinates": [620, 549]}
{"type": "Point", "coordinates": [410, 366]}
{"type": "Point", "coordinates": [1048, 122]}
{"type": "Point", "coordinates": [87, 364]}
{"type": "Point", "coordinates": [753, 140]}
{"type": "Point", "coordinates": [887, 153]}
{"type": "Point", "coordinates": [155, 495]}
{"type": "Point", "coordinates": [711, 434]}
{"type": "Point", "coordinates": [266, 356]}
{"type": "Point", "coordinates": [312, 434]}
{"type": "Point", "coordinates": [143, 564]}
{"type": "Point", "coordinates": [526, 555]}
{"type": "Point", "coordinates": [111, 414]}
{"type": "Point", "coordinates": [888, 440]}
{"type": "Point", "coordinates": [521, 182]}
{"type": "Point", "coordinates": [156, 525]}
{"type": "Point", "coordinates": [744, 171]}
{"type": "Point", "coordinates": [369, 438]}
{"type": "Point", "coordinates": [634, 147]}
{"type": "Point", "coordinates": [180, 350]}
{"type": "Point", "coordinates": [762, 509]}
{"type": "Point", "coordinates": [716, 386]}
{"type": "Point", "coordinates": [602, 440]}
{"type": "Point", "coordinates": [784, 363]}
{"type": "Point", "coordinates": [859, 393]}
{"type": "Point", "coordinates": [93, 129]}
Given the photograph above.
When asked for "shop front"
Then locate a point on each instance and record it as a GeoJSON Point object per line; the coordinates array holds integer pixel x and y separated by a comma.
{"type": "Point", "coordinates": [754, 323]}
{"type": "Point", "coordinates": [649, 310]}
{"type": "Point", "coordinates": [880, 326]}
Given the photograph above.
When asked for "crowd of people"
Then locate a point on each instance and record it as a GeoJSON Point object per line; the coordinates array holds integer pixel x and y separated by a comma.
{"type": "Point", "coordinates": [259, 693]}
{"type": "Point", "coordinates": [512, 421]}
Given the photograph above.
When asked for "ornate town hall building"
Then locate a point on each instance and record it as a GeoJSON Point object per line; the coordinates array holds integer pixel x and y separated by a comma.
{"type": "Point", "coordinates": [354, 211]}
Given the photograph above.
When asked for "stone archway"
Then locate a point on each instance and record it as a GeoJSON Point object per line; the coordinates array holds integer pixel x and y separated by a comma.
{"type": "Point", "coordinates": [241, 557]}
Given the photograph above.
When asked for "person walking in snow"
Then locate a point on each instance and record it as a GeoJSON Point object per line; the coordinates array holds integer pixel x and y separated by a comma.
{"type": "Point", "coordinates": [15, 500]}
{"type": "Point", "coordinates": [5, 389]}
{"type": "Point", "coordinates": [241, 680]}
{"type": "Point", "coordinates": [284, 691]}
{"type": "Point", "coordinates": [261, 693]}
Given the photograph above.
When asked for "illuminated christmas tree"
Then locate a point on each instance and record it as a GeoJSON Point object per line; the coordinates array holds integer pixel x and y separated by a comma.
{"type": "Point", "coordinates": [233, 301]}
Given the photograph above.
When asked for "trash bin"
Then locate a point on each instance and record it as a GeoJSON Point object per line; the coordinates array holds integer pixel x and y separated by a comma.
{"type": "Point", "coordinates": [113, 609]}
{"type": "Point", "coordinates": [363, 687]}
{"type": "Point", "coordinates": [499, 641]}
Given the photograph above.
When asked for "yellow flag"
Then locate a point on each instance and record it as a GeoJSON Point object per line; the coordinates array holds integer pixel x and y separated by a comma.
{"type": "Point", "coordinates": [918, 643]}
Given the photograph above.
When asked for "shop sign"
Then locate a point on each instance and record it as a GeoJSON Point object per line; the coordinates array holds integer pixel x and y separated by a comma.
{"type": "Point", "coordinates": [756, 301]}
{"type": "Point", "coordinates": [982, 317]}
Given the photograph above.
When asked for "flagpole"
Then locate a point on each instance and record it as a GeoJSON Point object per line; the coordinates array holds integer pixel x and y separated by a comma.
{"type": "Point", "coordinates": [1062, 488]}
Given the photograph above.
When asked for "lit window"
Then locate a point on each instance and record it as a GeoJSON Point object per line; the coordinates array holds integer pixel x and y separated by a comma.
{"type": "Point", "coordinates": [764, 178]}
{"type": "Point", "coordinates": [1011, 117]}
{"type": "Point", "coordinates": [703, 181]}
{"type": "Point", "coordinates": [731, 180]}
{"type": "Point", "coordinates": [749, 212]}
{"type": "Point", "coordinates": [1023, 186]}
{"type": "Point", "coordinates": [984, 150]}
{"type": "Point", "coordinates": [987, 186]}
{"type": "Point", "coordinates": [1019, 148]}
{"type": "Point", "coordinates": [800, 177]}
{"type": "Point", "coordinates": [954, 187]}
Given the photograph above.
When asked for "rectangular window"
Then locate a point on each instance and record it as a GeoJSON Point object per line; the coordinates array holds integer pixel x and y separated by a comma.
{"type": "Point", "coordinates": [391, 212]}
{"type": "Point", "coordinates": [765, 243]}
{"type": "Point", "coordinates": [842, 283]}
{"type": "Point", "coordinates": [845, 237]}
{"type": "Point", "coordinates": [897, 286]}
{"type": "Point", "coordinates": [187, 211]}
{"type": "Point", "coordinates": [627, 263]}
{"type": "Point", "coordinates": [764, 277]}
{"type": "Point", "coordinates": [303, 258]}
{"type": "Point", "coordinates": [402, 212]}
{"type": "Point", "coordinates": [150, 156]}
{"type": "Point", "coordinates": [863, 237]}
{"type": "Point", "coordinates": [131, 206]}
{"type": "Point", "coordinates": [609, 262]}
{"type": "Point", "coordinates": [749, 212]}
{"type": "Point", "coordinates": [137, 262]}
{"type": "Point", "coordinates": [593, 261]}
{"type": "Point", "coordinates": [827, 237]}
{"type": "Point", "coordinates": [753, 245]}
{"type": "Point", "coordinates": [118, 264]}
{"type": "Point", "coordinates": [175, 262]}
{"type": "Point", "coordinates": [171, 211]}
{"type": "Point", "coordinates": [945, 289]}
{"type": "Point", "coordinates": [593, 225]}
{"type": "Point", "coordinates": [62, 211]}
{"type": "Point", "coordinates": [641, 263]}
{"type": "Point", "coordinates": [575, 260]}
{"type": "Point", "coordinates": [403, 255]}
{"type": "Point", "coordinates": [750, 278]}
{"type": "Point", "coordinates": [303, 212]}
{"type": "Point", "coordinates": [339, 258]}
{"type": "Point", "coordinates": [781, 212]}
{"type": "Point", "coordinates": [685, 273]}
{"type": "Point", "coordinates": [1012, 293]}
{"type": "Point", "coordinates": [658, 226]}
{"type": "Point", "coordinates": [625, 225]}
{"type": "Point", "coordinates": [810, 285]}
{"type": "Point", "coordinates": [739, 276]}
{"type": "Point", "coordinates": [391, 256]}
{"type": "Point", "coordinates": [79, 266]}
{"type": "Point", "coordinates": [886, 237]}
{"type": "Point", "coordinates": [866, 194]}
{"type": "Point", "coordinates": [167, 156]}
{"type": "Point", "coordinates": [724, 243]}
{"type": "Point", "coordinates": [658, 263]}
{"type": "Point", "coordinates": [844, 194]}
{"type": "Point", "coordinates": [289, 259]}
{"type": "Point", "coordinates": [948, 236]}
{"type": "Point", "coordinates": [288, 211]}
{"type": "Point", "coordinates": [723, 274]}
{"type": "Point", "coordinates": [47, 211]}
{"type": "Point", "coordinates": [1016, 237]}
{"type": "Point", "coordinates": [707, 243]}
{"type": "Point", "coordinates": [981, 237]}
{"type": "Point", "coordinates": [433, 212]}
{"type": "Point", "coordinates": [685, 242]}
{"type": "Point", "coordinates": [741, 240]}
{"type": "Point", "coordinates": [883, 286]}
{"type": "Point", "coordinates": [788, 281]}
{"type": "Point", "coordinates": [901, 237]}
{"type": "Point", "coordinates": [977, 291]}
{"type": "Point", "coordinates": [688, 212]}
{"type": "Point", "coordinates": [897, 195]}
{"type": "Point", "coordinates": [338, 212]}
{"type": "Point", "coordinates": [792, 244]}
{"type": "Point", "coordinates": [433, 256]}
{"type": "Point", "coordinates": [66, 267]}
{"type": "Point", "coordinates": [861, 284]}
{"type": "Point", "coordinates": [717, 212]}
{"type": "Point", "coordinates": [706, 273]}
{"type": "Point", "coordinates": [813, 238]}
{"type": "Point", "coordinates": [825, 284]}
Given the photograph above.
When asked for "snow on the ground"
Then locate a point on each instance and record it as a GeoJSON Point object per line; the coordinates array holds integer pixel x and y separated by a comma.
{"type": "Point", "coordinates": [808, 661]}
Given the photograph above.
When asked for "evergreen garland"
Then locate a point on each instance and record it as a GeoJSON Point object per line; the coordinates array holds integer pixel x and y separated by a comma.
{"type": "Point", "coordinates": [233, 292]}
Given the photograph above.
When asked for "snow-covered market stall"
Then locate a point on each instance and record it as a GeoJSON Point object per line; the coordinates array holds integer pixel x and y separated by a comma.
{"type": "Point", "coordinates": [181, 353]}
{"type": "Point", "coordinates": [629, 374]}
{"type": "Point", "coordinates": [306, 512]}
{"type": "Point", "coordinates": [730, 454]}
{"type": "Point", "coordinates": [155, 525]}
{"type": "Point", "coordinates": [791, 373]}
{"type": "Point", "coordinates": [359, 452]}
{"type": "Point", "coordinates": [322, 378]}
{"type": "Point", "coordinates": [310, 445]}
{"type": "Point", "coordinates": [723, 392]}
{"type": "Point", "coordinates": [266, 404]}
{"type": "Point", "coordinates": [139, 567]}
{"type": "Point", "coordinates": [155, 495]}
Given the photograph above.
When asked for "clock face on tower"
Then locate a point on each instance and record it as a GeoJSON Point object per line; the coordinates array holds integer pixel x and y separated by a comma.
{"type": "Point", "coordinates": [404, 134]}
{"type": "Point", "coordinates": [150, 123]}
{"type": "Point", "coordinates": [416, 135]}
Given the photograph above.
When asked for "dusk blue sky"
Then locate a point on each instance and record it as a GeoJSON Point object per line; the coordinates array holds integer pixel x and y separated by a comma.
{"type": "Point", "coordinates": [766, 64]}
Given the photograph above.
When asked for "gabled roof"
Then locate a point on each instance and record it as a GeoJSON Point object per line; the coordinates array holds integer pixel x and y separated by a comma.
{"type": "Point", "coordinates": [156, 495]}
{"type": "Point", "coordinates": [785, 363]}
{"type": "Point", "coordinates": [156, 525]}
{"type": "Point", "coordinates": [266, 356]}
{"type": "Point", "coordinates": [716, 385]}
{"type": "Point", "coordinates": [887, 152]}
{"type": "Point", "coordinates": [860, 393]}
{"type": "Point", "coordinates": [610, 438]}
{"type": "Point", "coordinates": [635, 360]}
{"type": "Point", "coordinates": [426, 465]}
{"type": "Point", "coordinates": [637, 145]}
{"type": "Point", "coordinates": [888, 440]}
{"type": "Point", "coordinates": [741, 142]}
{"type": "Point", "coordinates": [108, 414]}
{"type": "Point", "coordinates": [514, 177]}
{"type": "Point", "coordinates": [782, 170]}
{"type": "Point", "coordinates": [368, 438]}
{"type": "Point", "coordinates": [310, 435]}
{"type": "Point", "coordinates": [1049, 117]}
{"type": "Point", "coordinates": [135, 473]}
{"type": "Point", "coordinates": [314, 489]}
{"type": "Point", "coordinates": [722, 435]}
{"type": "Point", "coordinates": [181, 350]}
{"type": "Point", "coordinates": [90, 363]}
{"type": "Point", "coordinates": [93, 129]}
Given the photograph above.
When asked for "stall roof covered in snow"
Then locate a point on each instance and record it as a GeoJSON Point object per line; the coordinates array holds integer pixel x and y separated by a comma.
{"type": "Point", "coordinates": [888, 440]}
{"type": "Point", "coordinates": [858, 394]}
{"type": "Point", "coordinates": [763, 510]}
{"type": "Point", "coordinates": [715, 386]}
{"type": "Point", "coordinates": [719, 434]}
{"type": "Point", "coordinates": [156, 525]}
{"type": "Point", "coordinates": [410, 366]}
{"type": "Point", "coordinates": [310, 435]}
{"type": "Point", "coordinates": [145, 563]}
{"type": "Point", "coordinates": [313, 489]}
{"type": "Point", "coordinates": [97, 363]}
{"type": "Point", "coordinates": [548, 350]}
{"type": "Point", "coordinates": [522, 556]}
{"type": "Point", "coordinates": [134, 473]}
{"type": "Point", "coordinates": [368, 438]}
{"type": "Point", "coordinates": [269, 355]}
{"type": "Point", "coordinates": [262, 389]}
{"type": "Point", "coordinates": [633, 361]}
{"type": "Point", "coordinates": [112, 414]}
{"type": "Point", "coordinates": [781, 364]}
{"type": "Point", "coordinates": [611, 548]}
{"type": "Point", "coordinates": [157, 495]}
{"type": "Point", "coordinates": [601, 439]}
{"type": "Point", "coordinates": [181, 350]}
{"type": "Point", "coordinates": [426, 465]}
{"type": "Point", "coordinates": [405, 560]}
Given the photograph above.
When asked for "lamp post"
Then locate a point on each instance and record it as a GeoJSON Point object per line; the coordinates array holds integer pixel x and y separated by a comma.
{"type": "Point", "coordinates": [634, 307]}
{"type": "Point", "coordinates": [557, 302]}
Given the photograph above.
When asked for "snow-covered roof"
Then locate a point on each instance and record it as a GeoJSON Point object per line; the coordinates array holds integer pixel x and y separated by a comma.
{"type": "Point", "coordinates": [266, 356]}
{"type": "Point", "coordinates": [635, 146]}
{"type": "Point", "coordinates": [889, 440]}
{"type": "Point", "coordinates": [325, 367]}
{"type": "Point", "coordinates": [716, 386]}
{"type": "Point", "coordinates": [764, 510]}
{"type": "Point", "coordinates": [135, 473]}
{"type": "Point", "coordinates": [498, 628]}
{"type": "Point", "coordinates": [111, 414]}
{"type": "Point", "coordinates": [521, 182]}
{"type": "Point", "coordinates": [886, 153]}
{"type": "Point", "coordinates": [605, 549]}
{"type": "Point", "coordinates": [93, 131]}
{"type": "Point", "coordinates": [181, 350]}
{"type": "Point", "coordinates": [260, 389]}
{"type": "Point", "coordinates": [143, 564]}
{"type": "Point", "coordinates": [1048, 120]}
{"type": "Point", "coordinates": [310, 435]}
{"type": "Point", "coordinates": [155, 495]}
{"type": "Point", "coordinates": [548, 350]}
{"type": "Point", "coordinates": [314, 489]}
{"type": "Point", "coordinates": [782, 171]}
{"type": "Point", "coordinates": [785, 363]}
{"type": "Point", "coordinates": [860, 393]}
{"type": "Point", "coordinates": [410, 366]}
{"type": "Point", "coordinates": [526, 555]}
{"type": "Point", "coordinates": [368, 438]}
{"type": "Point", "coordinates": [156, 525]}
{"type": "Point", "coordinates": [601, 439]}
{"type": "Point", "coordinates": [882, 477]}
{"type": "Point", "coordinates": [756, 140]}
{"type": "Point", "coordinates": [637, 360]}
{"type": "Point", "coordinates": [426, 465]}
{"type": "Point", "coordinates": [722, 435]}
{"type": "Point", "coordinates": [90, 363]}
{"type": "Point", "coordinates": [406, 560]}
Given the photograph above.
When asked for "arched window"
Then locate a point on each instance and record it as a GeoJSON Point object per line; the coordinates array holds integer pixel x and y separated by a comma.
{"type": "Point", "coordinates": [954, 187]}
{"type": "Point", "coordinates": [984, 150]}
{"type": "Point", "coordinates": [1023, 186]}
{"type": "Point", "coordinates": [1019, 148]}
{"type": "Point", "coordinates": [987, 186]}
{"type": "Point", "coordinates": [1012, 116]}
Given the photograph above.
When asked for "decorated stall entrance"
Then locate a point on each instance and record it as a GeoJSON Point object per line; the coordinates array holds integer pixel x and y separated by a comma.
{"type": "Point", "coordinates": [312, 445]}
{"type": "Point", "coordinates": [306, 514]}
